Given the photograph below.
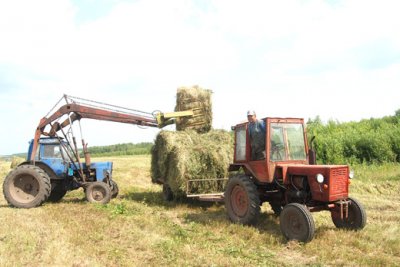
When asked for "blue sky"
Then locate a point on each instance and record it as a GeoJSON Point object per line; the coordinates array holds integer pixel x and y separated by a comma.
{"type": "Point", "coordinates": [336, 59]}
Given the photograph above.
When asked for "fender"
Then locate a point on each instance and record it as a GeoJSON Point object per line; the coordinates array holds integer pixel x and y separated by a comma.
{"type": "Point", "coordinates": [45, 168]}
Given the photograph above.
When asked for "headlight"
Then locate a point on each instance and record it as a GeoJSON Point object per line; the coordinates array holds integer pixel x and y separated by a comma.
{"type": "Point", "coordinates": [320, 178]}
{"type": "Point", "coordinates": [351, 174]}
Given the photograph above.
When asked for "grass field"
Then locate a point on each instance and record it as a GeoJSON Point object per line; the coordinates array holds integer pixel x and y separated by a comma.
{"type": "Point", "coordinates": [139, 229]}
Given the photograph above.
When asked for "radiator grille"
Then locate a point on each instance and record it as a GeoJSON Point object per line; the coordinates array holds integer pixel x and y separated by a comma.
{"type": "Point", "coordinates": [339, 172]}
{"type": "Point", "coordinates": [338, 181]}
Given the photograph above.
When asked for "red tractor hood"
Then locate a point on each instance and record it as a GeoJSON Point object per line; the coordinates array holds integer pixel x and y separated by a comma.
{"type": "Point", "coordinates": [335, 185]}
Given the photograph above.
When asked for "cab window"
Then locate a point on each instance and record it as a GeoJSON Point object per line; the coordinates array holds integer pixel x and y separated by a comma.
{"type": "Point", "coordinates": [51, 151]}
{"type": "Point", "coordinates": [240, 149]}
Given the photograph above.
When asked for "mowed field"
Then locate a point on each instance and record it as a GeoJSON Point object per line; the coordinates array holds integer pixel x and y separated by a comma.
{"type": "Point", "coordinates": [139, 229]}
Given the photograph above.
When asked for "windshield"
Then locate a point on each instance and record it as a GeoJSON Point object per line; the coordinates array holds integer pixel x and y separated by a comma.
{"type": "Point", "coordinates": [287, 142]}
{"type": "Point", "coordinates": [67, 151]}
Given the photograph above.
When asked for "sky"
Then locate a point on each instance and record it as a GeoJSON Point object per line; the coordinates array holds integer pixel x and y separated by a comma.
{"type": "Point", "coordinates": [339, 60]}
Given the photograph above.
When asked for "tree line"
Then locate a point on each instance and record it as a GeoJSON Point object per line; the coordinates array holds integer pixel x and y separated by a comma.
{"type": "Point", "coordinates": [367, 141]}
{"type": "Point", "coordinates": [375, 140]}
{"type": "Point", "coordinates": [121, 149]}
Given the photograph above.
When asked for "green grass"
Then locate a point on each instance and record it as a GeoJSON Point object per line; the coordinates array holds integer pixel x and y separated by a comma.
{"type": "Point", "coordinates": [139, 229]}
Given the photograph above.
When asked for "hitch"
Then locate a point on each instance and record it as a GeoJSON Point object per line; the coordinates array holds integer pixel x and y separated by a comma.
{"type": "Point", "coordinates": [344, 208]}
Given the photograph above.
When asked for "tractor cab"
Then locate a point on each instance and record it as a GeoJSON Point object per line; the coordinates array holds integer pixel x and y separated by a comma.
{"type": "Point", "coordinates": [285, 143]}
{"type": "Point", "coordinates": [58, 155]}
{"type": "Point", "coordinates": [52, 153]}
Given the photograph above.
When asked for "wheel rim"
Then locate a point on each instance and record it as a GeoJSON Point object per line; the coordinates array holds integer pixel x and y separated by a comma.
{"type": "Point", "coordinates": [240, 201]}
{"type": "Point", "coordinates": [295, 225]}
{"type": "Point", "coordinates": [98, 193]}
{"type": "Point", "coordinates": [24, 188]}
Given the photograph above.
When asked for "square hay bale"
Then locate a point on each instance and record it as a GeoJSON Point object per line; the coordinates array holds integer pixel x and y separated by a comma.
{"type": "Point", "coordinates": [196, 99]}
{"type": "Point", "coordinates": [186, 155]}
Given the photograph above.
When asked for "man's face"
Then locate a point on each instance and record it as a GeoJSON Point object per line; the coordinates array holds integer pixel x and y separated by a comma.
{"type": "Point", "coordinates": [251, 118]}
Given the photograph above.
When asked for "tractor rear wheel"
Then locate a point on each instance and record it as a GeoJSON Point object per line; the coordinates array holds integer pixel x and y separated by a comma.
{"type": "Point", "coordinates": [98, 192]}
{"type": "Point", "coordinates": [27, 186]}
{"type": "Point", "coordinates": [297, 223]}
{"type": "Point", "coordinates": [242, 201]}
{"type": "Point", "coordinates": [356, 219]}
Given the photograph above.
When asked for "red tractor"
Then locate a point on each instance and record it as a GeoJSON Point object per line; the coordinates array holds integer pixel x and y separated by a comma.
{"type": "Point", "coordinates": [288, 178]}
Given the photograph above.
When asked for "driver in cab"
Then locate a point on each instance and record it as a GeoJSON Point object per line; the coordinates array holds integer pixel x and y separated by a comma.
{"type": "Point", "coordinates": [257, 136]}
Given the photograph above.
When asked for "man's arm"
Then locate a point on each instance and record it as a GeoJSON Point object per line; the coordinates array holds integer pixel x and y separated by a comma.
{"type": "Point", "coordinates": [262, 125]}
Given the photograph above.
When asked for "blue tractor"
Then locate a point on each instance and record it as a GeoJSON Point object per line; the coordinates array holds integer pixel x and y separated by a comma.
{"type": "Point", "coordinates": [54, 174]}
{"type": "Point", "coordinates": [54, 165]}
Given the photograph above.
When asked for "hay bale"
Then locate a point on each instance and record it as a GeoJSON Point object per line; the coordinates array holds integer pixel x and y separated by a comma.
{"type": "Point", "coordinates": [16, 161]}
{"type": "Point", "coordinates": [181, 156]}
{"type": "Point", "coordinates": [196, 99]}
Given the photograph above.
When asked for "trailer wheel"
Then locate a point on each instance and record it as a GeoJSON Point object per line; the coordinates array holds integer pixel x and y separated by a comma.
{"type": "Point", "coordinates": [297, 223]}
{"type": "Point", "coordinates": [27, 186]}
{"type": "Point", "coordinates": [98, 192]}
{"type": "Point", "coordinates": [114, 189]}
{"type": "Point", "coordinates": [242, 201]}
{"type": "Point", "coordinates": [357, 217]}
{"type": "Point", "coordinates": [167, 193]}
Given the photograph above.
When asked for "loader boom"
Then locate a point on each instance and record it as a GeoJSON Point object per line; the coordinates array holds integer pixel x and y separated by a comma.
{"type": "Point", "coordinates": [78, 108]}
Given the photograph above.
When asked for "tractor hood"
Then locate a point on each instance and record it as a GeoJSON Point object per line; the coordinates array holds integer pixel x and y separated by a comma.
{"type": "Point", "coordinates": [327, 182]}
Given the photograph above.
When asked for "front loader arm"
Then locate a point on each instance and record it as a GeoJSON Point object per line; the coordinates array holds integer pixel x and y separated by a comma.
{"type": "Point", "coordinates": [102, 112]}
{"type": "Point", "coordinates": [77, 111]}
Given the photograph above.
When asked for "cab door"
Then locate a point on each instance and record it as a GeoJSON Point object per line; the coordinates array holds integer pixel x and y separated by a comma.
{"type": "Point", "coordinates": [51, 155]}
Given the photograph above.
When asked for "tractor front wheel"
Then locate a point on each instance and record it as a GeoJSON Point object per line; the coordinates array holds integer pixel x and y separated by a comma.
{"type": "Point", "coordinates": [356, 216]}
{"type": "Point", "coordinates": [242, 201]}
{"type": "Point", "coordinates": [114, 189]}
{"type": "Point", "coordinates": [27, 186]}
{"type": "Point", "coordinates": [98, 192]}
{"type": "Point", "coordinates": [297, 223]}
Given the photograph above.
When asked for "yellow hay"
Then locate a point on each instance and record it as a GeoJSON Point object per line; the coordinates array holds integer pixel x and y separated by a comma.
{"type": "Point", "coordinates": [199, 101]}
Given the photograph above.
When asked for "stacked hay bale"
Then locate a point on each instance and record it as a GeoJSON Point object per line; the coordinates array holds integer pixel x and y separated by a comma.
{"type": "Point", "coordinates": [199, 101]}
{"type": "Point", "coordinates": [194, 151]}
{"type": "Point", "coordinates": [186, 155]}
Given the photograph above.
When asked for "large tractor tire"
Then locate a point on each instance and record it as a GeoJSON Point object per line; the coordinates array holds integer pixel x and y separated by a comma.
{"type": "Point", "coordinates": [58, 191]}
{"type": "Point", "coordinates": [297, 223]}
{"type": "Point", "coordinates": [27, 186]}
{"type": "Point", "coordinates": [356, 219]}
{"type": "Point", "coordinates": [242, 201]}
{"type": "Point", "coordinates": [98, 192]}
